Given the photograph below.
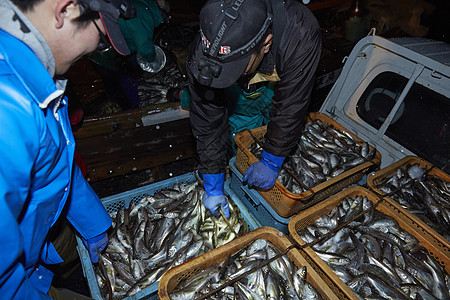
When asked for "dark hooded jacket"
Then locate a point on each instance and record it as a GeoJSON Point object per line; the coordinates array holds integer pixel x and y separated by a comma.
{"type": "Point", "coordinates": [295, 55]}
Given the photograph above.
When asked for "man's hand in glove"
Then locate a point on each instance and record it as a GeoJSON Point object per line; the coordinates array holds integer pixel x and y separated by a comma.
{"type": "Point", "coordinates": [264, 173]}
{"type": "Point", "coordinates": [214, 197]}
{"type": "Point", "coordinates": [95, 244]}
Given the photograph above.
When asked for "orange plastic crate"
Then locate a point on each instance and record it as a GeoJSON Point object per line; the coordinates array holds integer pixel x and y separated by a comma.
{"type": "Point", "coordinates": [174, 276]}
{"type": "Point", "coordinates": [283, 201]}
{"type": "Point", "coordinates": [376, 178]}
{"type": "Point", "coordinates": [436, 249]}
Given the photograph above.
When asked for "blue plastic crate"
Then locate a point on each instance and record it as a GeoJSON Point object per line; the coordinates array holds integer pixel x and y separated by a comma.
{"type": "Point", "coordinates": [257, 206]}
{"type": "Point", "coordinates": [115, 202]}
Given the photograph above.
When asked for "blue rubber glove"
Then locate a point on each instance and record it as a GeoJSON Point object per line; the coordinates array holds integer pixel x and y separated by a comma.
{"type": "Point", "coordinates": [264, 173]}
{"type": "Point", "coordinates": [97, 243]}
{"type": "Point", "coordinates": [214, 196]}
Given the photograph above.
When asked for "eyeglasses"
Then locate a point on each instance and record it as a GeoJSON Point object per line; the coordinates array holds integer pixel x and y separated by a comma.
{"type": "Point", "coordinates": [104, 44]}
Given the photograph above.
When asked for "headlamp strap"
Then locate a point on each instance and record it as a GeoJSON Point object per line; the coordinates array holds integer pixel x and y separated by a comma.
{"type": "Point", "coordinates": [231, 13]}
{"type": "Point", "coordinates": [279, 17]}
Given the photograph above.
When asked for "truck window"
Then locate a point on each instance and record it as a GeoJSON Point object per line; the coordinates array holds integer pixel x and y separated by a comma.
{"type": "Point", "coordinates": [379, 98]}
{"type": "Point", "coordinates": [424, 126]}
{"type": "Point", "coordinates": [422, 123]}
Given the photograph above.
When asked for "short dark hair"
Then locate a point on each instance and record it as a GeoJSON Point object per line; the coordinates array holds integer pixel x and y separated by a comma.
{"type": "Point", "coordinates": [86, 15]}
{"type": "Point", "coordinates": [26, 5]}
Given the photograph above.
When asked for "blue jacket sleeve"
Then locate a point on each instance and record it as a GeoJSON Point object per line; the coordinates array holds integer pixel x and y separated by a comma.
{"type": "Point", "coordinates": [14, 283]}
{"type": "Point", "coordinates": [17, 156]}
{"type": "Point", "coordinates": [85, 210]}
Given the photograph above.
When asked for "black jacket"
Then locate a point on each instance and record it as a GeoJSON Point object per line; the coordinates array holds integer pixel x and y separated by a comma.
{"type": "Point", "coordinates": [295, 58]}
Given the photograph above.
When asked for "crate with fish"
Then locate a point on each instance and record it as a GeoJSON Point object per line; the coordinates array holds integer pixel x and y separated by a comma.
{"type": "Point", "coordinates": [357, 241]}
{"type": "Point", "coordinates": [328, 158]}
{"type": "Point", "coordinates": [423, 190]}
{"type": "Point", "coordinates": [155, 228]}
{"type": "Point", "coordinates": [258, 208]}
{"type": "Point", "coordinates": [263, 264]}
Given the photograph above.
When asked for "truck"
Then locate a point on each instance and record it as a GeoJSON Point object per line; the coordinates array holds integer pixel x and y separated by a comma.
{"type": "Point", "coordinates": [395, 95]}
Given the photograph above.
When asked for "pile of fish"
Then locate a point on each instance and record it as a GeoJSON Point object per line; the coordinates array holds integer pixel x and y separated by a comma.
{"type": "Point", "coordinates": [280, 279]}
{"type": "Point", "coordinates": [426, 196]}
{"type": "Point", "coordinates": [152, 88]}
{"type": "Point", "coordinates": [323, 152]}
{"type": "Point", "coordinates": [159, 232]}
{"type": "Point", "coordinates": [374, 256]}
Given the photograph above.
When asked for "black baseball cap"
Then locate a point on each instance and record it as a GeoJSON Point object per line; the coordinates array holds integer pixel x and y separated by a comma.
{"type": "Point", "coordinates": [110, 11]}
{"type": "Point", "coordinates": [230, 31]}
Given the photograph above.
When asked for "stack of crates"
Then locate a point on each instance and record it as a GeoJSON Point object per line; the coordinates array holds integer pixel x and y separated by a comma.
{"type": "Point", "coordinates": [276, 206]}
{"type": "Point", "coordinates": [115, 202]}
{"type": "Point", "coordinates": [257, 206]}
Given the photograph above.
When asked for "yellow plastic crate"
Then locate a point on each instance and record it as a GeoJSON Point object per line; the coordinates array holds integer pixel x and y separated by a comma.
{"type": "Point", "coordinates": [436, 249]}
{"type": "Point", "coordinates": [283, 201]}
{"type": "Point", "coordinates": [174, 276]}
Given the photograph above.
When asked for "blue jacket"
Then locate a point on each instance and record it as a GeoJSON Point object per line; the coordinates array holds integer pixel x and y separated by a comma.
{"type": "Point", "coordinates": [38, 178]}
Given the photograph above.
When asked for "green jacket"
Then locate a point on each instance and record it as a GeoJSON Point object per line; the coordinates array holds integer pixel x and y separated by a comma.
{"type": "Point", "coordinates": [138, 32]}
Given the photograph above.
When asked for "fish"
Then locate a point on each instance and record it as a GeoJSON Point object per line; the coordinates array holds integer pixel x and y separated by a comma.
{"type": "Point", "coordinates": [322, 153]}
{"type": "Point", "coordinates": [152, 88]}
{"type": "Point", "coordinates": [382, 261]}
{"type": "Point", "coordinates": [424, 195]}
{"type": "Point", "coordinates": [160, 231]}
{"type": "Point", "coordinates": [280, 279]}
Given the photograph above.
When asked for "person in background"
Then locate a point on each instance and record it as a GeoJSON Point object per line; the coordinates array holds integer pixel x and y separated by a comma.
{"type": "Point", "coordinates": [120, 74]}
{"type": "Point", "coordinates": [41, 187]}
{"type": "Point", "coordinates": [254, 44]}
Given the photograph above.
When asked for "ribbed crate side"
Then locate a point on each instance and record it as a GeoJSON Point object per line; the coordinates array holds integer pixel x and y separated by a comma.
{"type": "Point", "coordinates": [174, 276]}
{"type": "Point", "coordinates": [309, 216]}
{"type": "Point", "coordinates": [258, 207]}
{"type": "Point", "coordinates": [286, 203]}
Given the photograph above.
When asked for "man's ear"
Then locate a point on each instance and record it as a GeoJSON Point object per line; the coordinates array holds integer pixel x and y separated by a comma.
{"type": "Point", "coordinates": [61, 11]}
{"type": "Point", "coordinates": [268, 43]}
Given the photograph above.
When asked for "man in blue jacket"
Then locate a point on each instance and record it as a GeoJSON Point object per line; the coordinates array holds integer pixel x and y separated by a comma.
{"type": "Point", "coordinates": [39, 182]}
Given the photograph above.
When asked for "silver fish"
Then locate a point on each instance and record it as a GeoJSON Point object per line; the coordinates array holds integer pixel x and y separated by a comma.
{"type": "Point", "coordinates": [159, 232]}
{"type": "Point", "coordinates": [263, 283]}
{"type": "Point", "coordinates": [379, 250]}
{"type": "Point", "coordinates": [323, 152]}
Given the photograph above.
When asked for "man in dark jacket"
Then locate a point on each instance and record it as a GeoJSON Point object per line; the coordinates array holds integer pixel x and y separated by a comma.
{"type": "Point", "coordinates": [251, 42]}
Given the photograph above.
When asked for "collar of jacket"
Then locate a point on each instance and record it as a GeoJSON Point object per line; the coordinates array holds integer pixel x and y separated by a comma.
{"type": "Point", "coordinates": [34, 76]}
{"type": "Point", "coordinates": [262, 77]}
